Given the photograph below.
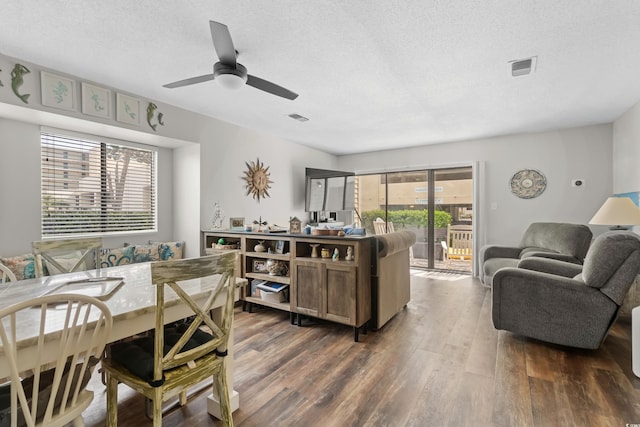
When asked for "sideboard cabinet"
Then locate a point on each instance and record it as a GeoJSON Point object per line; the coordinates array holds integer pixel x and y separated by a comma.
{"type": "Point", "coordinates": [336, 287]}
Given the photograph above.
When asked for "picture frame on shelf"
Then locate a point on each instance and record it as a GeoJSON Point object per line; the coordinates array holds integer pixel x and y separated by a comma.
{"type": "Point", "coordinates": [280, 247]}
{"type": "Point", "coordinates": [259, 266]}
{"type": "Point", "coordinates": [127, 109]}
{"type": "Point", "coordinates": [57, 91]}
{"type": "Point", "coordinates": [236, 224]}
{"type": "Point", "coordinates": [96, 101]}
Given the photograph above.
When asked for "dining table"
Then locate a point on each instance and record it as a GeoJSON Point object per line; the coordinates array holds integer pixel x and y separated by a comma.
{"type": "Point", "coordinates": [130, 296]}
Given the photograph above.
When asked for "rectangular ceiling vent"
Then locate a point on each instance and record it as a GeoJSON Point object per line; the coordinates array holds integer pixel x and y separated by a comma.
{"type": "Point", "coordinates": [522, 67]}
{"type": "Point", "coordinates": [298, 117]}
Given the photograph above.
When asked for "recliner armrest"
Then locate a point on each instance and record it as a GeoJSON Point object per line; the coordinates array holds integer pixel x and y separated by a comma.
{"type": "Point", "coordinates": [551, 266]}
{"type": "Point", "coordinates": [498, 251]}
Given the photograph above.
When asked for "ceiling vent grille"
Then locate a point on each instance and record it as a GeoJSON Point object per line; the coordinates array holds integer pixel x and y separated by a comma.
{"type": "Point", "coordinates": [298, 117]}
{"type": "Point", "coordinates": [522, 67]}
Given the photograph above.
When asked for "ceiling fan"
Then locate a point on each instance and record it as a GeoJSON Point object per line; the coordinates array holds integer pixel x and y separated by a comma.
{"type": "Point", "coordinates": [227, 71]}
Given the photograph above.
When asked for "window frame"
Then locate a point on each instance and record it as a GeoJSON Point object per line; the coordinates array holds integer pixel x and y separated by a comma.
{"type": "Point", "coordinates": [103, 141]}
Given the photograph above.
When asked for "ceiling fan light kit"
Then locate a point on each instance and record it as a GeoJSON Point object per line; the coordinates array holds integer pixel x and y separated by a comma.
{"type": "Point", "coordinates": [230, 78]}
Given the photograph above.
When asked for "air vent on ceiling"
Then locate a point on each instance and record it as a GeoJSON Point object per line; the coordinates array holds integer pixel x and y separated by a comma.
{"type": "Point", "coordinates": [522, 67]}
{"type": "Point", "coordinates": [298, 117]}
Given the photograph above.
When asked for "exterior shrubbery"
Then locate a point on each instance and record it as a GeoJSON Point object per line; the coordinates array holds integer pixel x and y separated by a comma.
{"type": "Point", "coordinates": [406, 218]}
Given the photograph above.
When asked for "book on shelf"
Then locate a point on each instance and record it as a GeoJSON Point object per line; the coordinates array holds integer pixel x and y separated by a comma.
{"type": "Point", "coordinates": [272, 287]}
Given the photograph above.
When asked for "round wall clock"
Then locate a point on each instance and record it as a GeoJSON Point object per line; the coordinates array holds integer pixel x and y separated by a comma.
{"type": "Point", "coordinates": [257, 178]}
{"type": "Point", "coordinates": [528, 183]}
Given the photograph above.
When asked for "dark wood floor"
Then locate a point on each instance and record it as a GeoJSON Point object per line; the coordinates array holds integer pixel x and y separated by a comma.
{"type": "Point", "coordinates": [439, 362]}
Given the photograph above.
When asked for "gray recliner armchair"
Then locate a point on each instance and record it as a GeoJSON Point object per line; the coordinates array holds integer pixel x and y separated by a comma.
{"type": "Point", "coordinates": [564, 303]}
{"type": "Point", "coordinates": [561, 241]}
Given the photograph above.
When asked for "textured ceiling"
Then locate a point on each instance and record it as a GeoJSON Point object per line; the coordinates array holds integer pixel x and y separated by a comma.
{"type": "Point", "coordinates": [371, 75]}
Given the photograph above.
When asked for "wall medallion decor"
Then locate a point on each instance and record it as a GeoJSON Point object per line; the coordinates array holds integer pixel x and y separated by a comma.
{"type": "Point", "coordinates": [528, 183]}
{"type": "Point", "coordinates": [257, 178]}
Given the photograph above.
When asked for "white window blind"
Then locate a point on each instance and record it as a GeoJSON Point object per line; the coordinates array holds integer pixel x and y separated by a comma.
{"type": "Point", "coordinates": [95, 187]}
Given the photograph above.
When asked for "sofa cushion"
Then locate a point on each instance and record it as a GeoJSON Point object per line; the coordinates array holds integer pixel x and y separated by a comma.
{"type": "Point", "coordinates": [532, 251]}
{"type": "Point", "coordinates": [22, 266]}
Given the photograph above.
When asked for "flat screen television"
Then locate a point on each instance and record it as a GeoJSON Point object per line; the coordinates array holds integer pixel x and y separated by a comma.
{"type": "Point", "coordinates": [328, 190]}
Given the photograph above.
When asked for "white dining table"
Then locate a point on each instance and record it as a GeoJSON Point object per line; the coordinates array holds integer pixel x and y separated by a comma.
{"type": "Point", "coordinates": [132, 307]}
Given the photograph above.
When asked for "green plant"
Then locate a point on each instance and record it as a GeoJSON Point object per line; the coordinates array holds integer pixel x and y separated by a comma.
{"type": "Point", "coordinates": [406, 218]}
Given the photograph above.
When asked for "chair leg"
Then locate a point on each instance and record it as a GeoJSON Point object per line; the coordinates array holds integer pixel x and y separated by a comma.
{"type": "Point", "coordinates": [222, 391]}
{"type": "Point", "coordinates": [78, 422]}
{"type": "Point", "coordinates": [157, 408]}
{"type": "Point", "coordinates": [183, 398]}
{"type": "Point", "coordinates": [112, 401]}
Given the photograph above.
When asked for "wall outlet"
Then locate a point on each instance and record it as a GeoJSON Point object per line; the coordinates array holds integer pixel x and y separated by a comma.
{"type": "Point", "coordinates": [579, 182]}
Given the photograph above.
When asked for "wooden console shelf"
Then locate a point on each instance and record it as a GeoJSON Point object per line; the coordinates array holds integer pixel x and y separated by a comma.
{"type": "Point", "coordinates": [335, 290]}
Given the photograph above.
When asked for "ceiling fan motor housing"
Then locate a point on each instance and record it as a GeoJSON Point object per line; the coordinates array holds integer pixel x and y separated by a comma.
{"type": "Point", "coordinates": [239, 70]}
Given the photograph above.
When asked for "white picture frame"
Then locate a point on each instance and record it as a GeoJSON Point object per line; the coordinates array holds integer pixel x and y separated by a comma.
{"type": "Point", "coordinates": [57, 91]}
{"type": "Point", "coordinates": [127, 109]}
{"type": "Point", "coordinates": [96, 101]}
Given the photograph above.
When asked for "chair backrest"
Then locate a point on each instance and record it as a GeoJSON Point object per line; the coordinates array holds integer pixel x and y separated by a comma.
{"type": "Point", "coordinates": [612, 263]}
{"type": "Point", "coordinates": [564, 238]}
{"type": "Point", "coordinates": [460, 240]}
{"type": "Point", "coordinates": [7, 275]}
{"type": "Point", "coordinates": [382, 227]}
{"type": "Point", "coordinates": [190, 343]}
{"type": "Point", "coordinates": [65, 256]}
{"type": "Point", "coordinates": [49, 376]}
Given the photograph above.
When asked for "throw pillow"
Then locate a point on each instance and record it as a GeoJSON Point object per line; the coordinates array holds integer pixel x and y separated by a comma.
{"type": "Point", "coordinates": [170, 250]}
{"type": "Point", "coordinates": [22, 266]}
{"type": "Point", "coordinates": [115, 257]}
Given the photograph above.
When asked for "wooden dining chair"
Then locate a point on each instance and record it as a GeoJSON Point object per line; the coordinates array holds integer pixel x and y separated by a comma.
{"type": "Point", "coordinates": [6, 274]}
{"type": "Point", "coordinates": [48, 384]}
{"type": "Point", "coordinates": [175, 358]}
{"type": "Point", "coordinates": [64, 256]}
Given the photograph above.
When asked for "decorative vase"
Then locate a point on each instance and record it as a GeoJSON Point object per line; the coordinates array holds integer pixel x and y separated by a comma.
{"type": "Point", "coordinates": [260, 247]}
{"type": "Point", "coordinates": [314, 250]}
{"type": "Point", "coordinates": [275, 268]}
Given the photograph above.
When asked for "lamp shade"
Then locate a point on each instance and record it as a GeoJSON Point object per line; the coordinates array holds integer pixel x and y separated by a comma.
{"type": "Point", "coordinates": [617, 211]}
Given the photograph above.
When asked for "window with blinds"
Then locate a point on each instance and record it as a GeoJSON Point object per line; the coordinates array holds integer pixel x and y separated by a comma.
{"type": "Point", "coordinates": [95, 187]}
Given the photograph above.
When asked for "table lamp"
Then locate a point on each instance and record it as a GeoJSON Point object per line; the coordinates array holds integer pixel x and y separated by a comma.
{"type": "Point", "coordinates": [618, 212]}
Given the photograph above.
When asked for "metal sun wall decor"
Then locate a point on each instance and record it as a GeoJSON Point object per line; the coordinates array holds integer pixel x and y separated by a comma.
{"type": "Point", "coordinates": [257, 178]}
{"type": "Point", "coordinates": [17, 80]}
{"type": "Point", "coordinates": [528, 183]}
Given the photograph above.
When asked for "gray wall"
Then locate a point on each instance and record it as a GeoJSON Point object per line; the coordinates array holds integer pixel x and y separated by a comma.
{"type": "Point", "coordinates": [561, 155]}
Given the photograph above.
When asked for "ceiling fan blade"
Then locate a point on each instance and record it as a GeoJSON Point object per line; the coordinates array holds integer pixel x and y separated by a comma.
{"type": "Point", "coordinates": [191, 81]}
{"type": "Point", "coordinates": [222, 43]}
{"type": "Point", "coordinates": [269, 87]}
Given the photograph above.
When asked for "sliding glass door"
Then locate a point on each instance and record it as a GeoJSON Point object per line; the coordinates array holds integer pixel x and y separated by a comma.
{"type": "Point", "coordinates": [425, 202]}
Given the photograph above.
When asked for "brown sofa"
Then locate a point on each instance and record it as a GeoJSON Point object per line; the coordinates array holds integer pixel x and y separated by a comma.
{"type": "Point", "coordinates": [390, 280]}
